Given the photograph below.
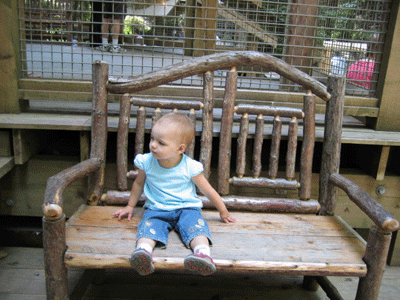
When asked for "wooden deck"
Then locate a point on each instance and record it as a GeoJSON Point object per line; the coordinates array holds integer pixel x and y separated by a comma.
{"type": "Point", "coordinates": [22, 277]}
{"type": "Point", "coordinates": [53, 115]}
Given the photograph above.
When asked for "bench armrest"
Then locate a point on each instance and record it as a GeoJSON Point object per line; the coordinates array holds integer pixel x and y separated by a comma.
{"type": "Point", "coordinates": [380, 216]}
{"type": "Point", "coordinates": [53, 197]}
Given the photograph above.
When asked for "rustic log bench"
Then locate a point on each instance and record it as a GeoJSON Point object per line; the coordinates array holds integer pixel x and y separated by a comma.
{"type": "Point", "coordinates": [272, 235]}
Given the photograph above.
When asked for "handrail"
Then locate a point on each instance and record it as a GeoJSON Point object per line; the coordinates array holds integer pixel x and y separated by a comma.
{"type": "Point", "coordinates": [53, 197]}
{"type": "Point", "coordinates": [379, 215]}
{"type": "Point", "coordinates": [217, 61]}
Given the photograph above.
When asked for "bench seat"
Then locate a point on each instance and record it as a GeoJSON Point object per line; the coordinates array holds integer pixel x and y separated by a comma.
{"type": "Point", "coordinates": [291, 244]}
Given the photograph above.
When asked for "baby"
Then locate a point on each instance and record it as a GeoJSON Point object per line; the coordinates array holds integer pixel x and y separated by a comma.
{"type": "Point", "coordinates": [168, 179]}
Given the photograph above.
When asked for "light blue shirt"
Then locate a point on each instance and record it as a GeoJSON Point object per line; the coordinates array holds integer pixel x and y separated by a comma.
{"type": "Point", "coordinates": [169, 188]}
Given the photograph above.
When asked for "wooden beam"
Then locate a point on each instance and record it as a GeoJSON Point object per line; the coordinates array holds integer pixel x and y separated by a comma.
{"type": "Point", "coordinates": [205, 27]}
{"type": "Point", "coordinates": [64, 90]}
{"type": "Point", "coordinates": [26, 144]}
{"type": "Point", "coordinates": [9, 57]}
{"type": "Point", "coordinates": [303, 18]}
{"type": "Point", "coordinates": [246, 24]}
{"type": "Point", "coordinates": [388, 84]}
{"type": "Point", "coordinates": [380, 174]}
{"type": "Point", "coordinates": [84, 145]}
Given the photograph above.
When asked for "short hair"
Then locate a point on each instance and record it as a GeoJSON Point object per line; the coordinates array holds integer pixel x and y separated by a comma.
{"type": "Point", "coordinates": [181, 124]}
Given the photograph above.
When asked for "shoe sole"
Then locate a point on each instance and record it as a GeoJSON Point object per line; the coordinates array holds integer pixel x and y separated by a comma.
{"type": "Point", "coordinates": [199, 265]}
{"type": "Point", "coordinates": [142, 263]}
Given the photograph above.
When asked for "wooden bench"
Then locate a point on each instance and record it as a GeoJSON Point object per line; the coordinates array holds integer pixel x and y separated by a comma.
{"type": "Point", "coordinates": [272, 236]}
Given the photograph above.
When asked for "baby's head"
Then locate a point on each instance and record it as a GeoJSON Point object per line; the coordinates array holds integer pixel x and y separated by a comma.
{"type": "Point", "coordinates": [180, 125]}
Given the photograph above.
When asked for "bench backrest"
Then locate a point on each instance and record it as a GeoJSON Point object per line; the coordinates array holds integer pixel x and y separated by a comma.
{"type": "Point", "coordinates": [280, 115]}
{"type": "Point", "coordinates": [205, 66]}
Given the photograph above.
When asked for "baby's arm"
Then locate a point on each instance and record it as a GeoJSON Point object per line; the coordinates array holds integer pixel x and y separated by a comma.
{"type": "Point", "coordinates": [136, 191]}
{"type": "Point", "coordinates": [207, 190]}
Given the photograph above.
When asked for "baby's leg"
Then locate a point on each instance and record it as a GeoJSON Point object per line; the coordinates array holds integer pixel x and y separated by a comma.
{"type": "Point", "coordinates": [152, 229]}
{"type": "Point", "coordinates": [141, 259]}
{"type": "Point", "coordinates": [200, 244]}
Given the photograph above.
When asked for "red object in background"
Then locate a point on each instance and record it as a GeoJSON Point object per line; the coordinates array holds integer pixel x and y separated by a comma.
{"type": "Point", "coordinates": [361, 72]}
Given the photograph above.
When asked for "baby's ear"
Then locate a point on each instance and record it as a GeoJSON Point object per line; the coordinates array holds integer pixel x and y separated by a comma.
{"type": "Point", "coordinates": [182, 148]}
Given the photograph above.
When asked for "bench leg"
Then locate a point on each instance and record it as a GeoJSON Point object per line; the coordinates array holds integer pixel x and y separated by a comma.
{"type": "Point", "coordinates": [310, 283]}
{"type": "Point", "coordinates": [54, 247]}
{"type": "Point", "coordinates": [329, 288]}
{"type": "Point", "coordinates": [375, 257]}
{"type": "Point", "coordinates": [95, 276]}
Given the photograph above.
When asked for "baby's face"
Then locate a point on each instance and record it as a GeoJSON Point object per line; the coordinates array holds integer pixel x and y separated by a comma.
{"type": "Point", "coordinates": [165, 143]}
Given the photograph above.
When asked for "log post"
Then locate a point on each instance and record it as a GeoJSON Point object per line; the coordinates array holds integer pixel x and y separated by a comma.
{"type": "Point", "coordinates": [275, 145]}
{"type": "Point", "coordinates": [157, 114]}
{"type": "Point", "coordinates": [54, 246]}
{"type": "Point", "coordinates": [332, 143]}
{"type": "Point", "coordinates": [242, 142]}
{"type": "Point", "coordinates": [140, 130]}
{"type": "Point", "coordinates": [225, 140]}
{"type": "Point", "coordinates": [122, 142]}
{"type": "Point", "coordinates": [190, 149]}
{"type": "Point", "coordinates": [99, 128]}
{"type": "Point", "coordinates": [307, 150]}
{"type": "Point", "coordinates": [258, 144]}
{"type": "Point", "coordinates": [207, 130]}
{"type": "Point", "coordinates": [375, 257]}
{"type": "Point", "coordinates": [292, 149]}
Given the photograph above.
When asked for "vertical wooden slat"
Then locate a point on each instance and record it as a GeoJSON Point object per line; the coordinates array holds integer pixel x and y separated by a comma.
{"type": "Point", "coordinates": [140, 129]}
{"type": "Point", "coordinates": [99, 128]}
{"type": "Point", "coordinates": [330, 160]}
{"type": "Point", "coordinates": [207, 130]}
{"type": "Point", "coordinates": [122, 142]}
{"type": "Point", "coordinates": [192, 117]}
{"type": "Point", "coordinates": [224, 158]}
{"type": "Point", "coordinates": [292, 149]}
{"type": "Point", "coordinates": [375, 257]}
{"type": "Point", "coordinates": [242, 141]}
{"type": "Point", "coordinates": [156, 116]}
{"type": "Point", "coordinates": [307, 150]}
{"type": "Point", "coordinates": [275, 145]}
{"type": "Point", "coordinates": [258, 143]}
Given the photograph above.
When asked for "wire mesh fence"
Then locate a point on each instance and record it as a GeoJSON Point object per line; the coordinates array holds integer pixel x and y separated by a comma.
{"type": "Point", "coordinates": [61, 38]}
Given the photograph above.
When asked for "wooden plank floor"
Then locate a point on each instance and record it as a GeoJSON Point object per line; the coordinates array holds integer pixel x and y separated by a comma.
{"type": "Point", "coordinates": [297, 244]}
{"type": "Point", "coordinates": [22, 278]}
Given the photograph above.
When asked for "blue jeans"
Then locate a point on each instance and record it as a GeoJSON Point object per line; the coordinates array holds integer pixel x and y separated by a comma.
{"type": "Point", "coordinates": [187, 222]}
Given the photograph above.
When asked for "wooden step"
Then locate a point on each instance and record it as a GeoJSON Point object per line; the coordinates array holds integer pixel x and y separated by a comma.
{"type": "Point", "coordinates": [352, 134]}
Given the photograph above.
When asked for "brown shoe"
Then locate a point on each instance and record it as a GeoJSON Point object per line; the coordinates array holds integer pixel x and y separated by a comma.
{"type": "Point", "coordinates": [200, 263]}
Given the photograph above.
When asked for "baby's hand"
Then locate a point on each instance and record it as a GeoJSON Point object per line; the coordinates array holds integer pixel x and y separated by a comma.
{"type": "Point", "coordinates": [227, 218]}
{"type": "Point", "coordinates": [127, 210]}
